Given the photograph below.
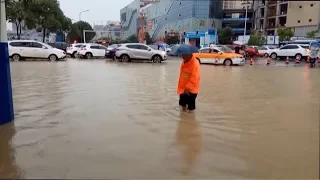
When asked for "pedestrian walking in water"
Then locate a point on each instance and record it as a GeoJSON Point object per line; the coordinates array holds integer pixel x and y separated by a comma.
{"type": "Point", "coordinates": [189, 82]}
{"type": "Point", "coordinates": [314, 54]}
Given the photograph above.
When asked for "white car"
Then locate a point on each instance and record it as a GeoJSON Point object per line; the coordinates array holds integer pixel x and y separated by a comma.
{"type": "Point", "coordinates": [19, 49]}
{"type": "Point", "coordinates": [265, 50]}
{"type": "Point", "coordinates": [290, 50]}
{"type": "Point", "coordinates": [139, 51]}
{"type": "Point", "coordinates": [73, 49]}
{"type": "Point", "coordinates": [91, 50]}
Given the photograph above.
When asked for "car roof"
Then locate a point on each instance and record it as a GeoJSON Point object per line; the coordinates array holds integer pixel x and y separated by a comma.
{"type": "Point", "coordinates": [24, 41]}
{"type": "Point", "coordinates": [133, 44]}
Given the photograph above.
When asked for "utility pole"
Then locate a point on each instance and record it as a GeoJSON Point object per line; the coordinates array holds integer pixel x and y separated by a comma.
{"type": "Point", "coordinates": [245, 20]}
{"type": "Point", "coordinates": [6, 102]}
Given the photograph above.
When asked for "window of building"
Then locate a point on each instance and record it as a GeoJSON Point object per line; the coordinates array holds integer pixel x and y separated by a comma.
{"type": "Point", "coordinates": [311, 5]}
{"type": "Point", "coordinates": [298, 21]}
{"type": "Point", "coordinates": [300, 6]}
{"type": "Point", "coordinates": [310, 20]}
{"type": "Point", "coordinates": [179, 14]}
{"type": "Point", "coordinates": [179, 3]}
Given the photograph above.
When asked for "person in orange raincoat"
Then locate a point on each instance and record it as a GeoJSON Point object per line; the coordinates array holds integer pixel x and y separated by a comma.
{"type": "Point", "coordinates": [189, 82]}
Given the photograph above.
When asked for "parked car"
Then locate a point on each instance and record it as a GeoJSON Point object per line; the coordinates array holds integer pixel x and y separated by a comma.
{"type": "Point", "coordinates": [265, 51]}
{"type": "Point", "coordinates": [60, 45]}
{"type": "Point", "coordinates": [290, 50]}
{"type": "Point", "coordinates": [139, 51]}
{"type": "Point", "coordinates": [219, 55]}
{"type": "Point", "coordinates": [91, 50]}
{"type": "Point", "coordinates": [111, 51]}
{"type": "Point", "coordinates": [23, 49]}
{"type": "Point", "coordinates": [251, 51]}
{"type": "Point", "coordinates": [73, 49]}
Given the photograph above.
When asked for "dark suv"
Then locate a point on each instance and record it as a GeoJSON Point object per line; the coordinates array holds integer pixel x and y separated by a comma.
{"type": "Point", "coordinates": [60, 45]}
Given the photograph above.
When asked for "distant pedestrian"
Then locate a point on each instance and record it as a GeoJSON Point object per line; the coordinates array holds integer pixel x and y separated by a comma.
{"type": "Point", "coordinates": [189, 82]}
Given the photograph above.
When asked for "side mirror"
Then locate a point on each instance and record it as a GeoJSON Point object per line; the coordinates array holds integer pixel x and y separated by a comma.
{"type": "Point", "coordinates": [43, 47]}
{"type": "Point", "coordinates": [220, 53]}
{"type": "Point", "coordinates": [149, 49]}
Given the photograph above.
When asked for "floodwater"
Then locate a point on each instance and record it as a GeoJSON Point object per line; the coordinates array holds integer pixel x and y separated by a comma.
{"type": "Point", "coordinates": [103, 119]}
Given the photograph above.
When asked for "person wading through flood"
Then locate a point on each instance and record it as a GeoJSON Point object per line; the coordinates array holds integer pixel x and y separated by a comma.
{"type": "Point", "coordinates": [189, 82]}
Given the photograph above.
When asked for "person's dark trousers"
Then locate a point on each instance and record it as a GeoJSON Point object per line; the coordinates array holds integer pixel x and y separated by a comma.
{"type": "Point", "coordinates": [188, 100]}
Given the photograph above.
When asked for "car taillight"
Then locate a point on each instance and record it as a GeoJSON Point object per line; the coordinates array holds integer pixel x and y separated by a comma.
{"type": "Point", "coordinates": [83, 49]}
{"type": "Point", "coordinates": [117, 49]}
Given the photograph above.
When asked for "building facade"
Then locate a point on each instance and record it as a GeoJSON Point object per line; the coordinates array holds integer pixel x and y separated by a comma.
{"type": "Point", "coordinates": [176, 16]}
{"type": "Point", "coordinates": [129, 18]}
{"type": "Point", "coordinates": [303, 16]}
{"type": "Point", "coordinates": [270, 15]}
{"type": "Point", "coordinates": [234, 16]}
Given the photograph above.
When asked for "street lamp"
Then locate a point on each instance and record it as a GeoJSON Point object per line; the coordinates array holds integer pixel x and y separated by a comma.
{"type": "Point", "coordinates": [6, 102]}
{"type": "Point", "coordinates": [79, 23]}
{"type": "Point", "coordinates": [245, 19]}
{"type": "Point", "coordinates": [81, 13]}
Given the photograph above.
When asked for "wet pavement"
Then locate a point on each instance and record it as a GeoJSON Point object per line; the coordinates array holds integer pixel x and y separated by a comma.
{"type": "Point", "coordinates": [103, 119]}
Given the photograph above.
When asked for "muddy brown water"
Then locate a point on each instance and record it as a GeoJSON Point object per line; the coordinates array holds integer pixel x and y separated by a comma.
{"type": "Point", "coordinates": [102, 119]}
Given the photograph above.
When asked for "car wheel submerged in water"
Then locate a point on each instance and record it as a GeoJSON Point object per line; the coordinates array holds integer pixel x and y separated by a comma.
{"type": "Point", "coordinates": [16, 57]}
{"type": "Point", "coordinates": [156, 59]}
{"type": "Point", "coordinates": [227, 62]}
{"type": "Point", "coordinates": [53, 57]}
{"type": "Point", "coordinates": [88, 55]}
{"type": "Point", "coordinates": [124, 58]}
{"type": "Point", "coordinates": [273, 56]}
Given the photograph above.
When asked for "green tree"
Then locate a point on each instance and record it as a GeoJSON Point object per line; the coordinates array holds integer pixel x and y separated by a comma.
{"type": "Point", "coordinates": [76, 32]}
{"type": "Point", "coordinates": [312, 34]}
{"type": "Point", "coordinates": [225, 35]}
{"type": "Point", "coordinates": [132, 39]}
{"type": "Point", "coordinates": [285, 34]}
{"type": "Point", "coordinates": [45, 14]}
{"type": "Point", "coordinates": [147, 38]}
{"type": "Point", "coordinates": [256, 38]}
{"type": "Point", "coordinates": [16, 13]}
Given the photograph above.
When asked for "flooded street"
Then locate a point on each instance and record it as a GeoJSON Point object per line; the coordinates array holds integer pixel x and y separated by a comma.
{"type": "Point", "coordinates": [103, 119]}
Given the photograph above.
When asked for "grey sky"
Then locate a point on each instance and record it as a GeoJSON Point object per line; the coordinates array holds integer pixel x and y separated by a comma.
{"type": "Point", "coordinates": [99, 10]}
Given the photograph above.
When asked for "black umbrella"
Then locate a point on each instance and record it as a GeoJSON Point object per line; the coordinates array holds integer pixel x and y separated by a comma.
{"type": "Point", "coordinates": [183, 49]}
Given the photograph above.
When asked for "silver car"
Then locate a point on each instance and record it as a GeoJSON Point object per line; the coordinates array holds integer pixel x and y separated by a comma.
{"type": "Point", "coordinates": [138, 51]}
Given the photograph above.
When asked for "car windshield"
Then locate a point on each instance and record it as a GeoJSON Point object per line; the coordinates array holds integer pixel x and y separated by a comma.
{"type": "Point", "coordinates": [225, 49]}
{"type": "Point", "coordinates": [114, 46]}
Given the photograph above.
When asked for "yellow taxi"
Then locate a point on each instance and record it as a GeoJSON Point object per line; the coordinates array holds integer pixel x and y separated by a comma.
{"type": "Point", "coordinates": [219, 55]}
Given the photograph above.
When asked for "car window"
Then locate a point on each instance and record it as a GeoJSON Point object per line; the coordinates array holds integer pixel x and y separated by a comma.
{"type": "Point", "coordinates": [132, 46]}
{"type": "Point", "coordinates": [77, 46]}
{"type": "Point", "coordinates": [263, 48]}
{"type": "Point", "coordinates": [215, 51]}
{"type": "Point", "coordinates": [102, 47]}
{"type": "Point", "coordinates": [94, 47]}
{"type": "Point", "coordinates": [292, 47]}
{"type": "Point", "coordinates": [204, 50]}
{"type": "Point", "coordinates": [142, 47]}
{"type": "Point", "coordinates": [26, 44]}
{"type": "Point", "coordinates": [36, 45]}
{"type": "Point", "coordinates": [16, 44]}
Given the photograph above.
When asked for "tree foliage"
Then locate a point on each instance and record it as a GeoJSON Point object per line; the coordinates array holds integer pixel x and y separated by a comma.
{"type": "Point", "coordinates": [147, 38]}
{"type": "Point", "coordinates": [312, 34]}
{"type": "Point", "coordinates": [225, 35]}
{"type": "Point", "coordinates": [37, 14]}
{"type": "Point", "coordinates": [285, 34]}
{"type": "Point", "coordinates": [132, 39]}
{"type": "Point", "coordinates": [256, 39]}
{"type": "Point", "coordinates": [76, 32]}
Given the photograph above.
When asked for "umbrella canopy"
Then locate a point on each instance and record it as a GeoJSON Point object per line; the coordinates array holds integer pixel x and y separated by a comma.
{"type": "Point", "coordinates": [238, 42]}
{"type": "Point", "coordinates": [183, 49]}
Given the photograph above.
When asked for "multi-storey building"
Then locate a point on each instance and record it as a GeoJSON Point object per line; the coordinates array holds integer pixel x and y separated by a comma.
{"type": "Point", "coordinates": [303, 16]}
{"type": "Point", "coordinates": [270, 15]}
{"type": "Point", "coordinates": [175, 16]}
{"type": "Point", "coordinates": [234, 16]}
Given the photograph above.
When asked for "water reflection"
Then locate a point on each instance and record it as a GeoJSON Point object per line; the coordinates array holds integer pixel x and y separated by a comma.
{"type": "Point", "coordinates": [189, 140]}
{"type": "Point", "coordinates": [8, 167]}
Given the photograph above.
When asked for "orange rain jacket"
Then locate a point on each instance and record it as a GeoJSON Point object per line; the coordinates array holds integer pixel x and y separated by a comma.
{"type": "Point", "coordinates": [189, 78]}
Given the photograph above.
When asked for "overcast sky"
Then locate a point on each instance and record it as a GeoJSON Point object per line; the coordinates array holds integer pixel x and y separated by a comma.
{"type": "Point", "coordinates": [99, 10]}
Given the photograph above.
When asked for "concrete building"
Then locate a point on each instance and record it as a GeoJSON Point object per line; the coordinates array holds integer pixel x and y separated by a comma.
{"type": "Point", "coordinates": [129, 17]}
{"type": "Point", "coordinates": [234, 14]}
{"type": "Point", "coordinates": [173, 16]}
{"type": "Point", "coordinates": [301, 16]}
{"type": "Point", "coordinates": [270, 15]}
